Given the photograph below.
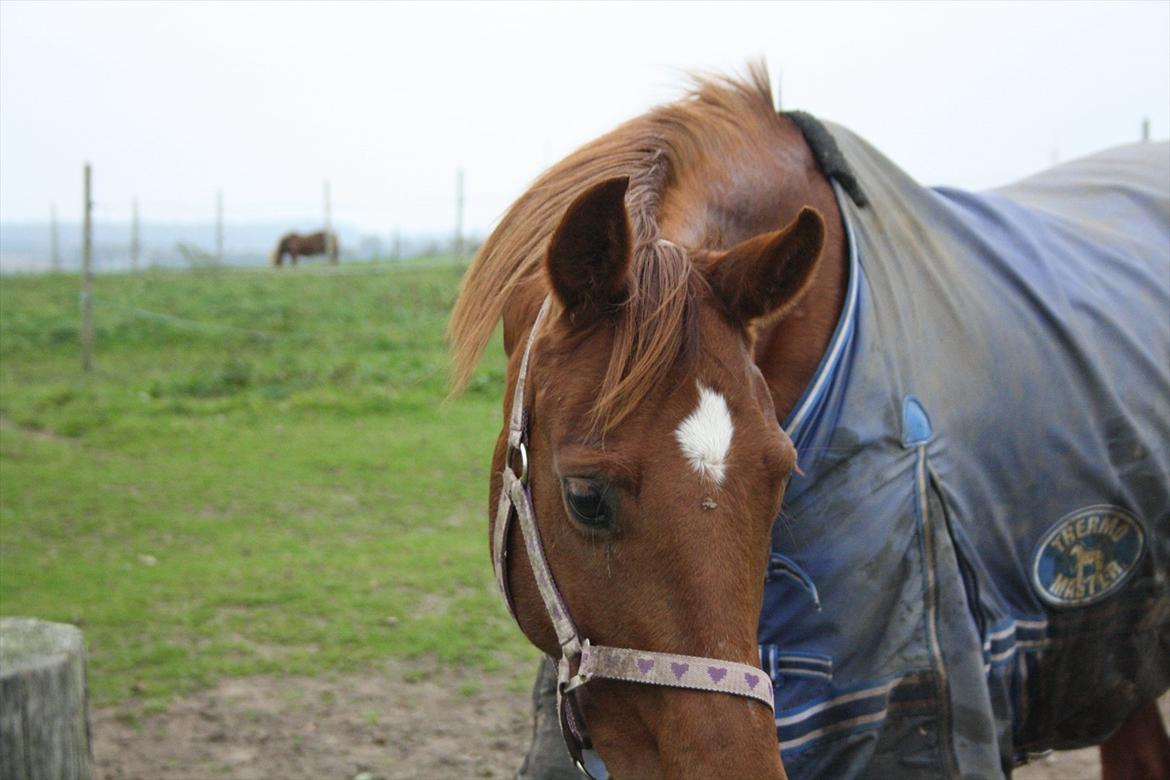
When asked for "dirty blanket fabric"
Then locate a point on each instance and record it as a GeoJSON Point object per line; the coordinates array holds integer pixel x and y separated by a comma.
{"type": "Point", "coordinates": [973, 565]}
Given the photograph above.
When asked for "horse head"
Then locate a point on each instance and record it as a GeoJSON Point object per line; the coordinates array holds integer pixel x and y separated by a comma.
{"type": "Point", "coordinates": [656, 468]}
{"type": "Point", "coordinates": [276, 258]}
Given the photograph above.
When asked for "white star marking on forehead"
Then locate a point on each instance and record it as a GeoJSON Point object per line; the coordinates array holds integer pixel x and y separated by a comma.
{"type": "Point", "coordinates": [705, 436]}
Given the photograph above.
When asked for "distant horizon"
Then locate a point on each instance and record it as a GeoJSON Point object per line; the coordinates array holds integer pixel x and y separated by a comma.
{"type": "Point", "coordinates": [26, 245]}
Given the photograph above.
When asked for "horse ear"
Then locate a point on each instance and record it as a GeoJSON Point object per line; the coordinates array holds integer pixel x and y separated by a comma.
{"type": "Point", "coordinates": [589, 255]}
{"type": "Point", "coordinates": [766, 275]}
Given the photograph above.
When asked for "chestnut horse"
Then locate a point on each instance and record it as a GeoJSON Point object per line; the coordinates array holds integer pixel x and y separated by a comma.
{"type": "Point", "coordinates": [297, 245]}
{"type": "Point", "coordinates": [668, 294]}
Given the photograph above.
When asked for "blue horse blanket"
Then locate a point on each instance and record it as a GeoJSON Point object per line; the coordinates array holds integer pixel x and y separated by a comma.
{"type": "Point", "coordinates": [975, 563]}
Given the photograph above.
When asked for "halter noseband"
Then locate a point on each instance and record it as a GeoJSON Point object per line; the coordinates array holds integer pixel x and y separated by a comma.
{"type": "Point", "coordinates": [612, 663]}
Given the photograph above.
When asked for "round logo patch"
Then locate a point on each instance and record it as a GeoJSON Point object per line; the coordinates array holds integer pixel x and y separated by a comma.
{"type": "Point", "coordinates": [1087, 556]}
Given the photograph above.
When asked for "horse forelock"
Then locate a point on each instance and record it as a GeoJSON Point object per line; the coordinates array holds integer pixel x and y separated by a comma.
{"type": "Point", "coordinates": [657, 326]}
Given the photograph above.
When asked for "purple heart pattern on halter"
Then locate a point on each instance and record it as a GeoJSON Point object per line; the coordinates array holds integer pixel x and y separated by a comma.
{"type": "Point", "coordinates": [674, 671]}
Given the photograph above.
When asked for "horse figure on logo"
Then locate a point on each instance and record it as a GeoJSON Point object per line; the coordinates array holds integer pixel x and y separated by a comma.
{"type": "Point", "coordinates": [297, 245]}
{"type": "Point", "coordinates": [1088, 562]}
{"type": "Point", "coordinates": [772, 415]}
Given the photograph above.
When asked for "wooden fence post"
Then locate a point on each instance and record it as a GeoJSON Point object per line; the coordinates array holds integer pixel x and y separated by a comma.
{"type": "Point", "coordinates": [44, 717]}
{"type": "Point", "coordinates": [54, 248]}
{"type": "Point", "coordinates": [459, 214]}
{"type": "Point", "coordinates": [87, 278]}
{"type": "Point", "coordinates": [330, 239]}
{"type": "Point", "coordinates": [219, 227]}
{"type": "Point", "coordinates": [135, 245]}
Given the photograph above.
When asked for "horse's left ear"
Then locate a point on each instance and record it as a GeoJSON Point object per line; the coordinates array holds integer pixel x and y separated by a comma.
{"type": "Point", "coordinates": [589, 255]}
{"type": "Point", "coordinates": [766, 275]}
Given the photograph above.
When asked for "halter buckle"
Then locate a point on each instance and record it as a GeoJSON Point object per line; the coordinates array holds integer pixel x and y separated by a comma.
{"type": "Point", "coordinates": [576, 681]}
{"type": "Point", "coordinates": [584, 673]}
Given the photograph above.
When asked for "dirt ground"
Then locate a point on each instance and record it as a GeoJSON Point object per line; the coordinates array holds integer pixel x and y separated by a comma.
{"type": "Point", "coordinates": [408, 720]}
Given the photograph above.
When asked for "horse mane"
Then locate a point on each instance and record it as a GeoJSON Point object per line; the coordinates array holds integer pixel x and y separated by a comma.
{"type": "Point", "coordinates": [656, 325]}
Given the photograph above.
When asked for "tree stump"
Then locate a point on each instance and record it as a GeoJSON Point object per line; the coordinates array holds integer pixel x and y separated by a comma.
{"type": "Point", "coordinates": [44, 716]}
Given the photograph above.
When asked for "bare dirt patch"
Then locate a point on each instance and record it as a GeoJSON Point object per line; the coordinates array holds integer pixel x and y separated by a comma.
{"type": "Point", "coordinates": [407, 720]}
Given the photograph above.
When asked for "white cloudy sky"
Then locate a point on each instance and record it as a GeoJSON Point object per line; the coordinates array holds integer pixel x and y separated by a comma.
{"type": "Point", "coordinates": [173, 101]}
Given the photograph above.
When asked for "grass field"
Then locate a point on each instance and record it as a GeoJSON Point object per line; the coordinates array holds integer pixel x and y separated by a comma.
{"type": "Point", "coordinates": [259, 476]}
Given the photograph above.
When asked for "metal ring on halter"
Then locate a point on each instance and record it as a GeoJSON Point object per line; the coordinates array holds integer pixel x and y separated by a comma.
{"type": "Point", "coordinates": [523, 475]}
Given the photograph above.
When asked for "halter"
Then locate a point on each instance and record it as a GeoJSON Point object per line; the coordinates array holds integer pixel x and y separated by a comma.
{"type": "Point", "coordinates": [611, 663]}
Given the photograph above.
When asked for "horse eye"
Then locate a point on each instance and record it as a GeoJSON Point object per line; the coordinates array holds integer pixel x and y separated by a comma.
{"type": "Point", "coordinates": [586, 501]}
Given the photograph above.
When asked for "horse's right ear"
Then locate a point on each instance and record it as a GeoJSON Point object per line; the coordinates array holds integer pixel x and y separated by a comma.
{"type": "Point", "coordinates": [589, 256]}
{"type": "Point", "coordinates": [765, 276]}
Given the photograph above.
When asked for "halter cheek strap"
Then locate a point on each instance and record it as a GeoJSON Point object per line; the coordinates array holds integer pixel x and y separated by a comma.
{"type": "Point", "coordinates": [592, 661]}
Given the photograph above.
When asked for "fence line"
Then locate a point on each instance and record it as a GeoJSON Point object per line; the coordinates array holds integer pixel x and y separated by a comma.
{"type": "Point", "coordinates": [219, 272]}
{"type": "Point", "coordinates": [107, 257]}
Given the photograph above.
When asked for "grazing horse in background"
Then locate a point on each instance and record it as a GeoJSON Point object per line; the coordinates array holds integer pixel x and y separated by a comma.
{"type": "Point", "coordinates": [770, 403]}
{"type": "Point", "coordinates": [296, 245]}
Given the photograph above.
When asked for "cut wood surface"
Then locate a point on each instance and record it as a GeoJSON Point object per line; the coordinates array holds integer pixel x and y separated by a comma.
{"type": "Point", "coordinates": [44, 723]}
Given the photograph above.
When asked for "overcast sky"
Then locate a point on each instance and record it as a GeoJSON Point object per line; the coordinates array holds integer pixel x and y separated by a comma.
{"type": "Point", "coordinates": [173, 101]}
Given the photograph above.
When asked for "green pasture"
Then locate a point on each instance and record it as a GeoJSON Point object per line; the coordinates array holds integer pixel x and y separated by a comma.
{"type": "Point", "coordinates": [259, 476]}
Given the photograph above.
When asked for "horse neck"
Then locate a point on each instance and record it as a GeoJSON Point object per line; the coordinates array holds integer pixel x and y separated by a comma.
{"type": "Point", "coordinates": [739, 194]}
